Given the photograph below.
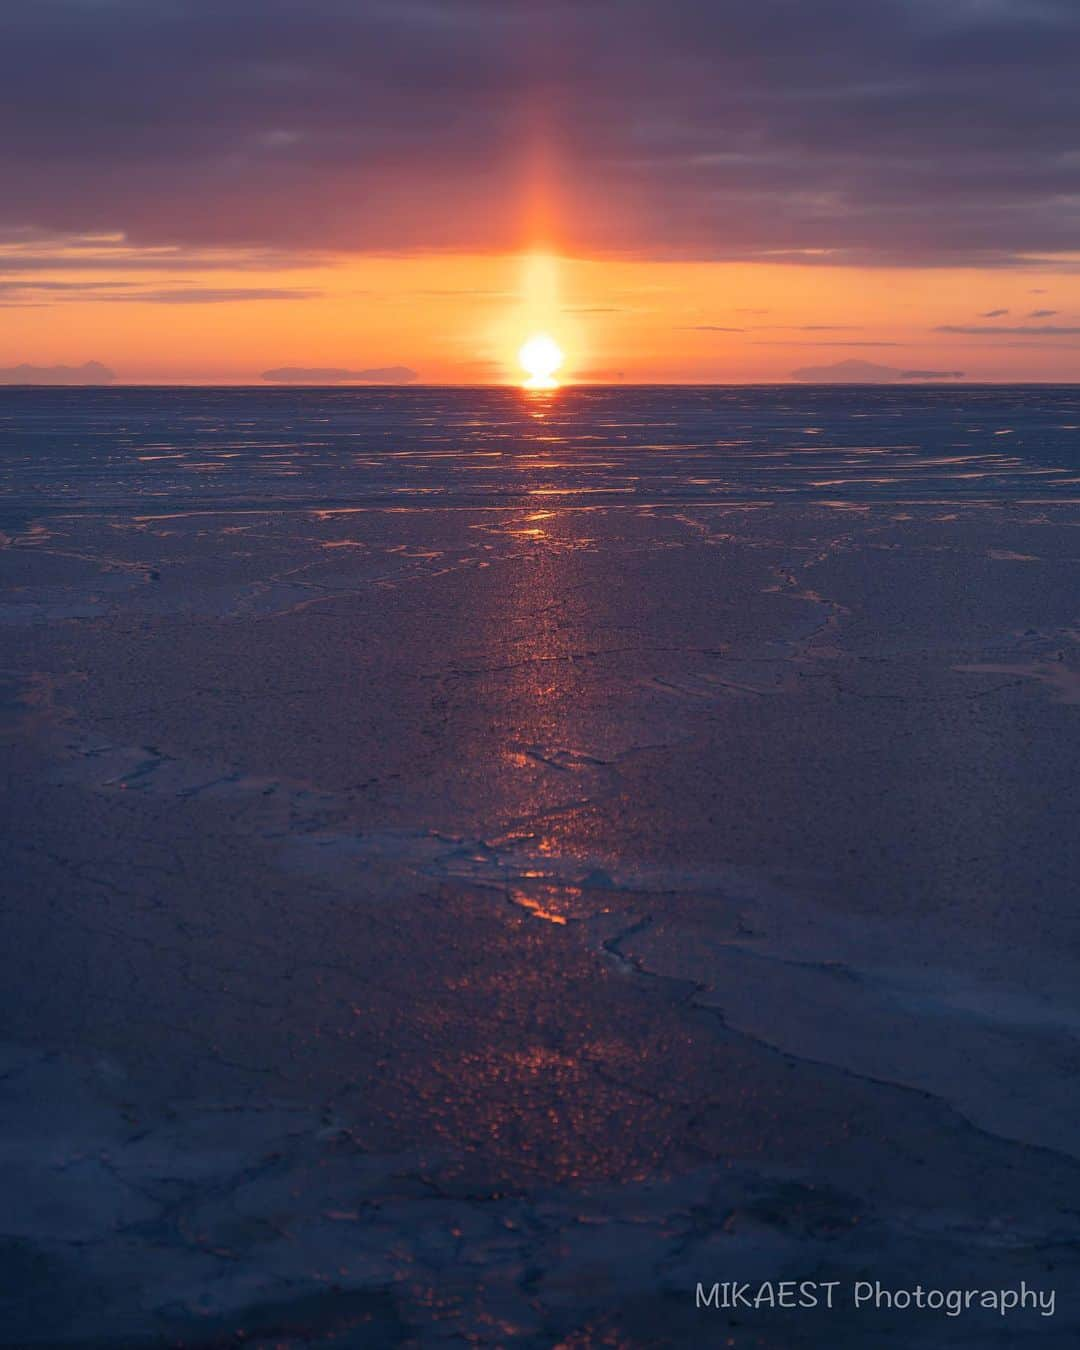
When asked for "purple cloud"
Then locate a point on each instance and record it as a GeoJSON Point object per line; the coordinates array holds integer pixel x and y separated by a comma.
{"type": "Point", "coordinates": [902, 131]}
{"type": "Point", "coordinates": [37, 292]}
{"type": "Point", "coordinates": [1044, 330]}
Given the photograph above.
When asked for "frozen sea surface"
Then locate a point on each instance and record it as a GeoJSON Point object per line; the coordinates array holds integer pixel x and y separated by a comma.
{"type": "Point", "coordinates": [477, 864]}
{"type": "Point", "coordinates": [215, 448]}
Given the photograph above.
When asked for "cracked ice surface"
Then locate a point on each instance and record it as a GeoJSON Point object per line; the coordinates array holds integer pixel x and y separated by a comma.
{"type": "Point", "coordinates": [532, 856]}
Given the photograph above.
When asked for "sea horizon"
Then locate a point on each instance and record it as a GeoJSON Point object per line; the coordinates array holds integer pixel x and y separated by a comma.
{"type": "Point", "coordinates": [569, 385]}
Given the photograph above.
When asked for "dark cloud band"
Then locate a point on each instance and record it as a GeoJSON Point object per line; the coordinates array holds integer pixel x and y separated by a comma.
{"type": "Point", "coordinates": [903, 131]}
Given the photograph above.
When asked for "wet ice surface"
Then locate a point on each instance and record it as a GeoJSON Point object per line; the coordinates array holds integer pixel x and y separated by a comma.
{"type": "Point", "coordinates": [480, 864]}
{"type": "Point", "coordinates": [160, 449]}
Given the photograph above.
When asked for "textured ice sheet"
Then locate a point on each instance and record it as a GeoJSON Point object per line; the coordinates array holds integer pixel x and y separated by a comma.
{"type": "Point", "coordinates": [629, 856]}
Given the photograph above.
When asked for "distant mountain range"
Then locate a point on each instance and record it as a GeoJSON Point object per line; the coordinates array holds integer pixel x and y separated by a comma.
{"type": "Point", "coordinates": [866, 372]}
{"type": "Point", "coordinates": [93, 372]}
{"type": "Point", "coordinates": [334, 375]}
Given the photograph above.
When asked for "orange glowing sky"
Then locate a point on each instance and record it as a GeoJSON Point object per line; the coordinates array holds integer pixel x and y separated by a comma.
{"type": "Point", "coordinates": [461, 318]}
{"type": "Point", "coordinates": [688, 191]}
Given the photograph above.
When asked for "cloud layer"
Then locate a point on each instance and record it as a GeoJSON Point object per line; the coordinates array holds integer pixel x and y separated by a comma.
{"type": "Point", "coordinates": [1005, 330]}
{"type": "Point", "coordinates": [905, 131]}
{"type": "Point", "coordinates": [35, 292]}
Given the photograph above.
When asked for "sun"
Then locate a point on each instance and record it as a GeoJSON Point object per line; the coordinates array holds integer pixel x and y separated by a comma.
{"type": "Point", "coordinates": [540, 358]}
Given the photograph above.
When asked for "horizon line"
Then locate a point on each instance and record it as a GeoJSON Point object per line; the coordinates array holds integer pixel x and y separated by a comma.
{"type": "Point", "coordinates": [269, 386]}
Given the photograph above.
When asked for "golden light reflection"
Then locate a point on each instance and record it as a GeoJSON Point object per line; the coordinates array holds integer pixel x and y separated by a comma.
{"type": "Point", "coordinates": [540, 357]}
{"type": "Point", "coordinates": [537, 339]}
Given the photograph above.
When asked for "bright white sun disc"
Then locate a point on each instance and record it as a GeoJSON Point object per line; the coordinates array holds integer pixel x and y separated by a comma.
{"type": "Point", "coordinates": [540, 358]}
